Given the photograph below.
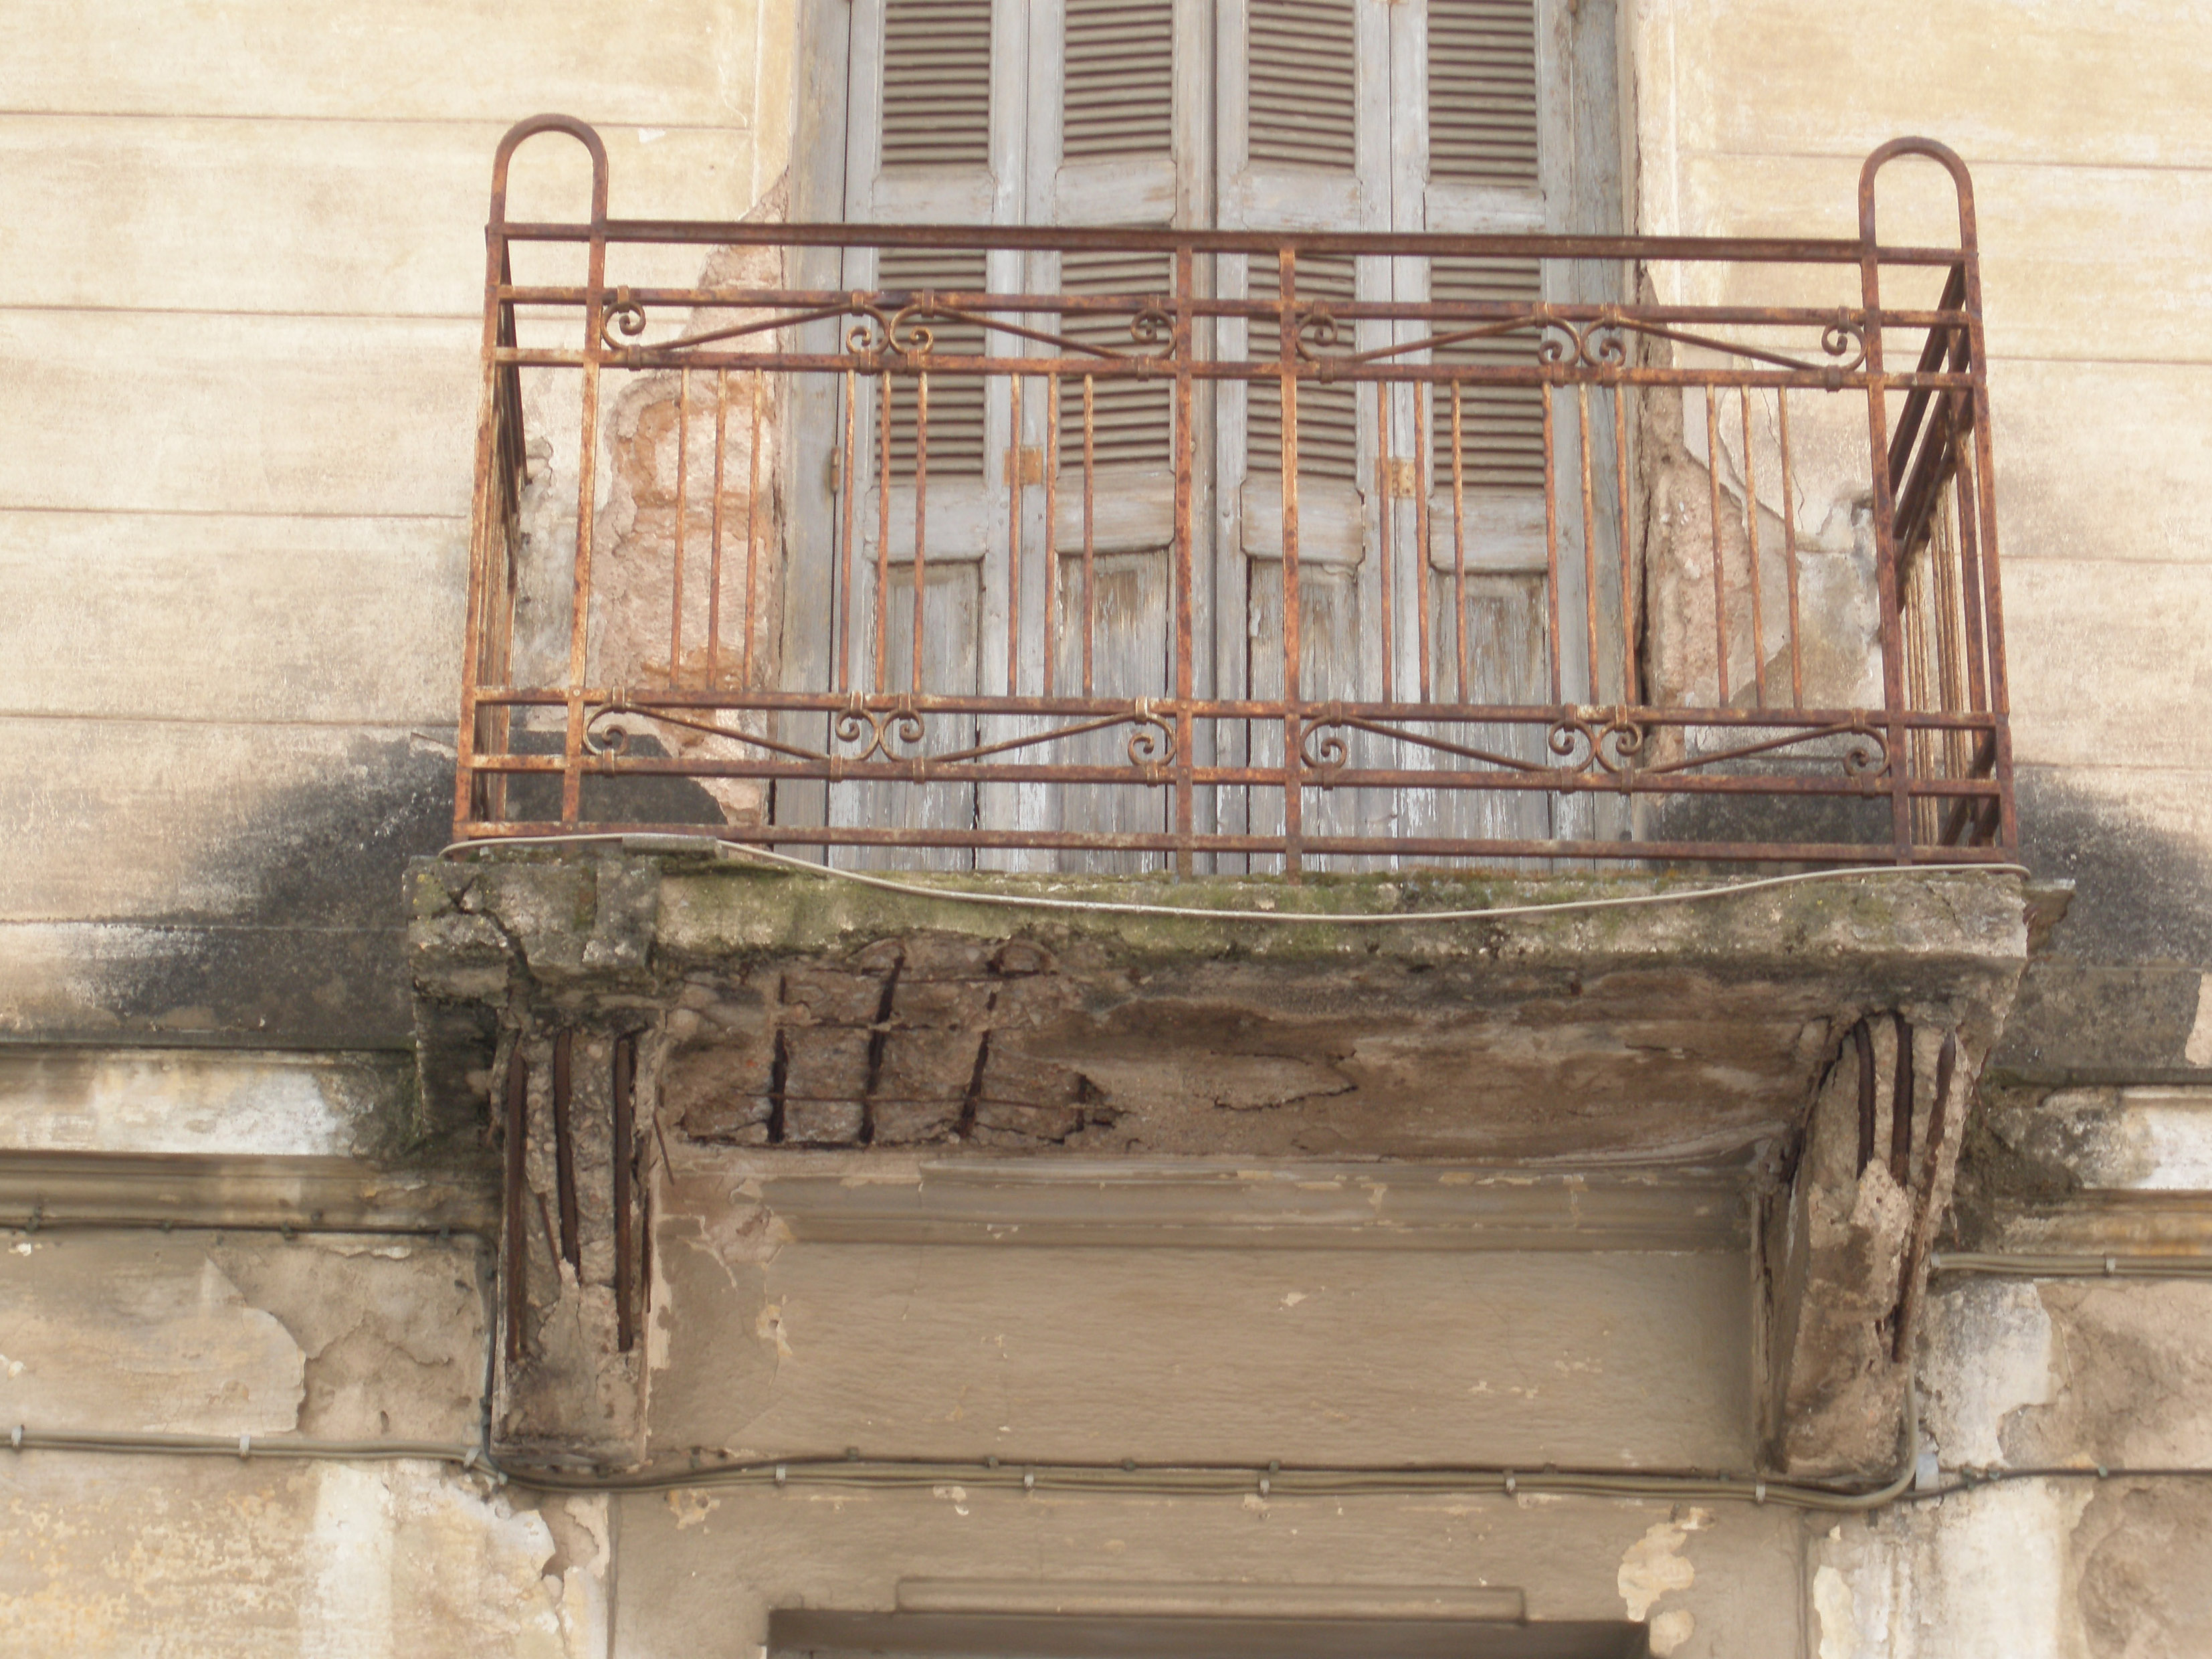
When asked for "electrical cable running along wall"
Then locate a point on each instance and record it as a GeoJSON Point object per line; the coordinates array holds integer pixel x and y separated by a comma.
{"type": "Point", "coordinates": [850, 1470]}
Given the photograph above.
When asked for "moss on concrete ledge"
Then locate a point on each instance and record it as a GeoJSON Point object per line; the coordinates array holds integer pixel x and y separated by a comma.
{"type": "Point", "coordinates": [1963, 919]}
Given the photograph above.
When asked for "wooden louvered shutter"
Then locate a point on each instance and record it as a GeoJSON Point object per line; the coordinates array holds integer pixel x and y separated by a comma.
{"type": "Point", "coordinates": [936, 116]}
{"type": "Point", "coordinates": [1470, 84]}
{"type": "Point", "coordinates": [1469, 101]}
{"type": "Point", "coordinates": [1301, 90]}
{"type": "Point", "coordinates": [937, 83]}
{"type": "Point", "coordinates": [1482, 93]}
{"type": "Point", "coordinates": [1303, 143]}
{"type": "Point", "coordinates": [1110, 147]}
{"type": "Point", "coordinates": [936, 123]}
{"type": "Point", "coordinates": [1114, 142]}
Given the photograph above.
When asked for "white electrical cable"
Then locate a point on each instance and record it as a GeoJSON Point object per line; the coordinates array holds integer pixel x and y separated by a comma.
{"type": "Point", "coordinates": [1196, 912]}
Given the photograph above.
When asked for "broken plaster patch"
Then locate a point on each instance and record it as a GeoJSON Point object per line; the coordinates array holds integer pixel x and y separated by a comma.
{"type": "Point", "coordinates": [1654, 1566]}
{"type": "Point", "coordinates": [110, 1331]}
{"type": "Point", "coordinates": [1834, 1605]}
{"type": "Point", "coordinates": [1988, 1355]}
{"type": "Point", "coordinates": [691, 1507]}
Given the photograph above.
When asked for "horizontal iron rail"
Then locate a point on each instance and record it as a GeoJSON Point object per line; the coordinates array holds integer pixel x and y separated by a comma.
{"type": "Point", "coordinates": [1166, 775]}
{"type": "Point", "coordinates": [1527, 713]}
{"type": "Point", "coordinates": [1686, 250]}
{"type": "Point", "coordinates": [1160, 371]}
{"type": "Point", "coordinates": [1147, 841]}
{"type": "Point", "coordinates": [1116, 304]}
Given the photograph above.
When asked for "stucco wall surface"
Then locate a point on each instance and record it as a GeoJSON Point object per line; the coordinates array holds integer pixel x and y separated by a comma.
{"type": "Point", "coordinates": [240, 322]}
{"type": "Point", "coordinates": [349, 1338]}
{"type": "Point", "coordinates": [2081, 122]}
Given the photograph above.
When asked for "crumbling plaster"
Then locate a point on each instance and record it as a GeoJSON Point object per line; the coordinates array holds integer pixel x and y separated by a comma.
{"type": "Point", "coordinates": [344, 1337]}
{"type": "Point", "coordinates": [152, 1558]}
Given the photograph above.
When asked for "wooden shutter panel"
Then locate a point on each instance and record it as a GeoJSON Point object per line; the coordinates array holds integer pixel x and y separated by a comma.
{"type": "Point", "coordinates": [1501, 427]}
{"type": "Point", "coordinates": [1328, 428]}
{"type": "Point", "coordinates": [1302, 81]}
{"type": "Point", "coordinates": [937, 83]}
{"type": "Point", "coordinates": [956, 402]}
{"type": "Point", "coordinates": [1118, 89]}
{"type": "Point", "coordinates": [1131, 419]}
{"type": "Point", "coordinates": [1482, 92]}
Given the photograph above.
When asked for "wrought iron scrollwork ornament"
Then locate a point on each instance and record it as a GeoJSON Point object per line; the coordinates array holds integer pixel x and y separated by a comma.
{"type": "Point", "coordinates": [626, 316]}
{"type": "Point", "coordinates": [1316, 331]}
{"type": "Point", "coordinates": [1152, 741]}
{"type": "Point", "coordinates": [867, 336]}
{"type": "Point", "coordinates": [604, 736]}
{"type": "Point", "coordinates": [1573, 743]}
{"type": "Point", "coordinates": [1603, 344]}
{"type": "Point", "coordinates": [608, 730]}
{"type": "Point", "coordinates": [875, 729]}
{"type": "Point", "coordinates": [1599, 345]}
{"type": "Point", "coordinates": [1866, 756]}
{"type": "Point", "coordinates": [1323, 748]}
{"type": "Point", "coordinates": [1620, 743]}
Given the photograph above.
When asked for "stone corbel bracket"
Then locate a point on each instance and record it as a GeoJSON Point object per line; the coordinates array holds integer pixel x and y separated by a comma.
{"type": "Point", "coordinates": [1845, 1235]}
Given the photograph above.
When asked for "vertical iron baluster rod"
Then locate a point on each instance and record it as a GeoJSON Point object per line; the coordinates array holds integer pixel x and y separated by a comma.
{"type": "Point", "coordinates": [1589, 540]}
{"type": "Point", "coordinates": [1459, 543]}
{"type": "Point", "coordinates": [1090, 522]}
{"type": "Point", "coordinates": [1713, 520]}
{"type": "Point", "coordinates": [715, 543]}
{"type": "Point", "coordinates": [1751, 538]}
{"type": "Point", "coordinates": [1014, 536]}
{"type": "Point", "coordinates": [1052, 536]}
{"type": "Point", "coordinates": [752, 535]}
{"type": "Point", "coordinates": [848, 486]}
{"type": "Point", "coordinates": [682, 449]}
{"type": "Point", "coordinates": [1423, 412]}
{"type": "Point", "coordinates": [1293, 784]}
{"type": "Point", "coordinates": [1789, 553]}
{"type": "Point", "coordinates": [1629, 690]}
{"type": "Point", "coordinates": [1382, 482]}
{"type": "Point", "coordinates": [1551, 542]}
{"type": "Point", "coordinates": [921, 517]}
{"type": "Point", "coordinates": [883, 619]}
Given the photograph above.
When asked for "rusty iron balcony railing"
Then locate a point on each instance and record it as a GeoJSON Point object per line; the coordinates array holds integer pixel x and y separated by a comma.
{"type": "Point", "coordinates": [1035, 549]}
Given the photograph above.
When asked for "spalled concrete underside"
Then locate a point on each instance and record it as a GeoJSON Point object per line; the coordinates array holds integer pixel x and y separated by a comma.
{"type": "Point", "coordinates": [1795, 1061]}
{"type": "Point", "coordinates": [787, 1010]}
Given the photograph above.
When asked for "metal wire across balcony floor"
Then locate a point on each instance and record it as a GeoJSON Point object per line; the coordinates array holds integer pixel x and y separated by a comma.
{"type": "Point", "coordinates": [1052, 548]}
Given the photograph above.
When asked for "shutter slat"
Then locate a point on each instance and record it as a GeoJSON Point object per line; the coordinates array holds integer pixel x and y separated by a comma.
{"type": "Point", "coordinates": [1482, 92]}
{"type": "Point", "coordinates": [1118, 89]}
{"type": "Point", "coordinates": [936, 84]}
{"type": "Point", "coordinates": [956, 402]}
{"type": "Point", "coordinates": [1301, 88]}
{"type": "Point", "coordinates": [1132, 422]}
{"type": "Point", "coordinates": [1501, 427]}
